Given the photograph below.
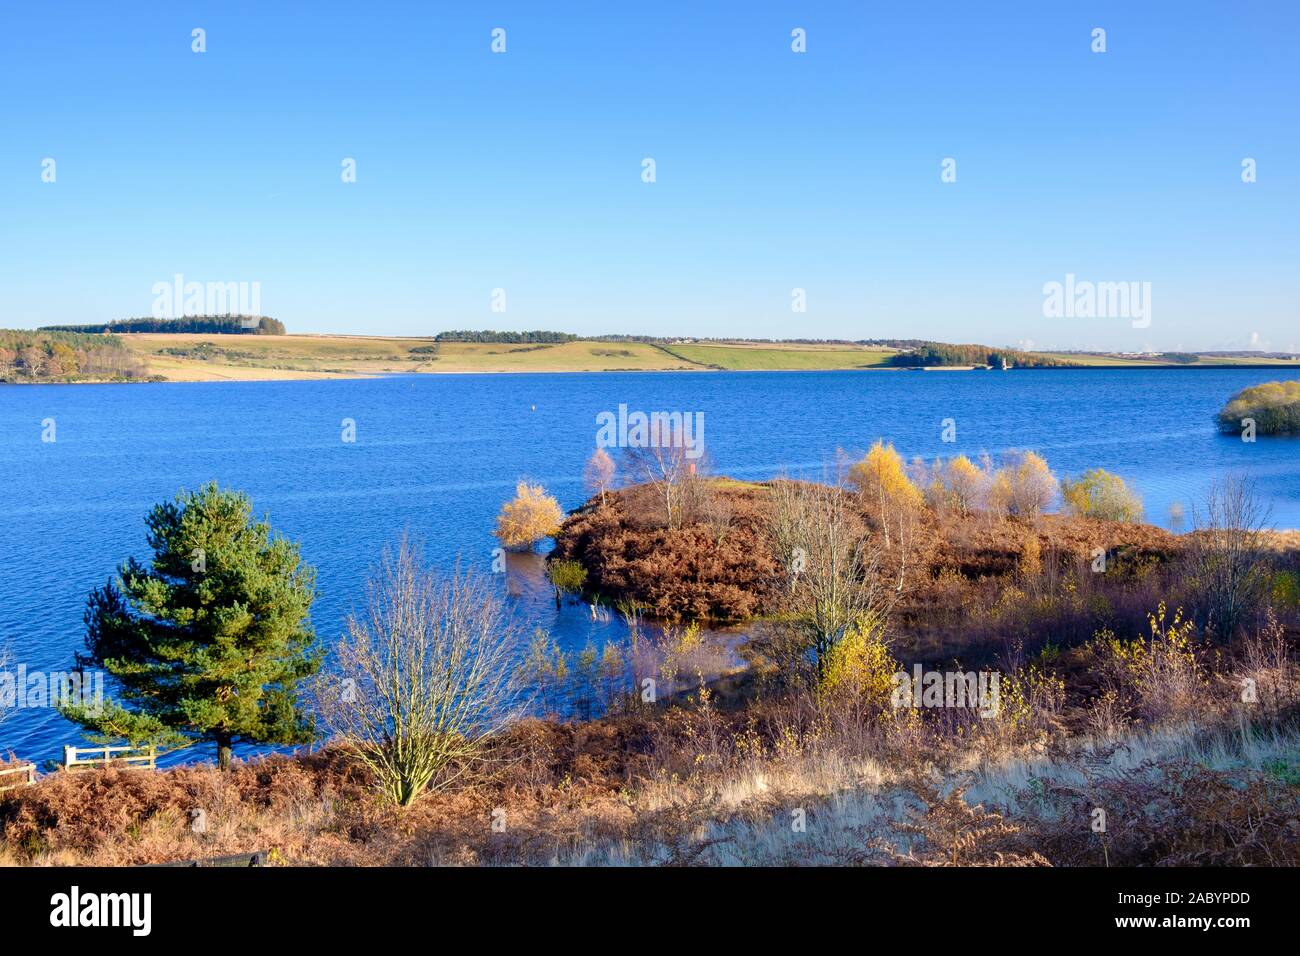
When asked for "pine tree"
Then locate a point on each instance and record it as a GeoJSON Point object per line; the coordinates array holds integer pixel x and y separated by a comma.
{"type": "Point", "coordinates": [208, 641]}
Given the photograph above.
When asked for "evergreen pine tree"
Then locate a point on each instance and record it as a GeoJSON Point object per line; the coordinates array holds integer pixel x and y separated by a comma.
{"type": "Point", "coordinates": [208, 642]}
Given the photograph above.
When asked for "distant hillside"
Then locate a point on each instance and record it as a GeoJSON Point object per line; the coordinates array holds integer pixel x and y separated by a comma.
{"type": "Point", "coordinates": [192, 324]}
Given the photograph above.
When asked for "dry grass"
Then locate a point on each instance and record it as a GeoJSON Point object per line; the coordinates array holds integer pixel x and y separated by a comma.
{"type": "Point", "coordinates": [771, 782]}
{"type": "Point", "coordinates": [261, 357]}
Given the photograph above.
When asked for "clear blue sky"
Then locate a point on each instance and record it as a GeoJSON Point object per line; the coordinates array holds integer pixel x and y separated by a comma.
{"type": "Point", "coordinates": [774, 170]}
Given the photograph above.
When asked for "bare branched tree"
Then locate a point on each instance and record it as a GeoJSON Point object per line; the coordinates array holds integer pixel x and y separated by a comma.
{"type": "Point", "coordinates": [665, 468]}
{"type": "Point", "coordinates": [832, 566]}
{"type": "Point", "coordinates": [424, 676]}
{"type": "Point", "coordinates": [1228, 563]}
{"type": "Point", "coordinates": [598, 475]}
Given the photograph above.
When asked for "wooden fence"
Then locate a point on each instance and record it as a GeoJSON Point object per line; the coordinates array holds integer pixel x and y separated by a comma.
{"type": "Point", "coordinates": [11, 778]}
{"type": "Point", "coordinates": [142, 758]}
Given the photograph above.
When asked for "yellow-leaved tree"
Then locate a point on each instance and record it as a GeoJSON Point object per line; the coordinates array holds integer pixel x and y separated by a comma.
{"type": "Point", "coordinates": [1023, 488]}
{"type": "Point", "coordinates": [964, 481]}
{"type": "Point", "coordinates": [881, 478]}
{"type": "Point", "coordinates": [858, 672]}
{"type": "Point", "coordinates": [528, 517]}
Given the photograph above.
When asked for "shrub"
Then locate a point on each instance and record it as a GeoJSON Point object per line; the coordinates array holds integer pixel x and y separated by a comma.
{"type": "Point", "coordinates": [1274, 406]}
{"type": "Point", "coordinates": [1030, 563]}
{"type": "Point", "coordinates": [964, 482]}
{"type": "Point", "coordinates": [545, 668]}
{"type": "Point", "coordinates": [832, 585]}
{"type": "Point", "coordinates": [861, 667]}
{"type": "Point", "coordinates": [1099, 494]}
{"type": "Point", "coordinates": [568, 576]}
{"type": "Point", "coordinates": [1160, 676]}
{"type": "Point", "coordinates": [1023, 488]}
{"type": "Point", "coordinates": [530, 516]}
{"type": "Point", "coordinates": [1229, 571]}
{"type": "Point", "coordinates": [428, 676]}
{"type": "Point", "coordinates": [1286, 589]}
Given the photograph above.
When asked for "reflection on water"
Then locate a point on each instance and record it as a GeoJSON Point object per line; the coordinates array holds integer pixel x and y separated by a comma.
{"type": "Point", "coordinates": [586, 658]}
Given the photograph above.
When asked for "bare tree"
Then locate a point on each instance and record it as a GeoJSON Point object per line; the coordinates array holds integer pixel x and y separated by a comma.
{"type": "Point", "coordinates": [702, 503]}
{"type": "Point", "coordinates": [833, 581]}
{"type": "Point", "coordinates": [664, 468]}
{"type": "Point", "coordinates": [1226, 554]}
{"type": "Point", "coordinates": [425, 675]}
{"type": "Point", "coordinates": [598, 475]}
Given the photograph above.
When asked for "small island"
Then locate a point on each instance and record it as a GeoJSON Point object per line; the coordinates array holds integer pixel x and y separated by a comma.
{"type": "Point", "coordinates": [1273, 407]}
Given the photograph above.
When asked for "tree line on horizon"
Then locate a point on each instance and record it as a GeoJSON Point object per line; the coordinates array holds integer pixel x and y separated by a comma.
{"type": "Point", "coordinates": [193, 324]}
{"type": "Point", "coordinates": [932, 354]}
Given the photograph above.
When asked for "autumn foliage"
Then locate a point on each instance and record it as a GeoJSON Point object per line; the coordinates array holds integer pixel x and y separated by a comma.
{"type": "Point", "coordinates": [528, 517]}
{"type": "Point", "coordinates": [704, 569]}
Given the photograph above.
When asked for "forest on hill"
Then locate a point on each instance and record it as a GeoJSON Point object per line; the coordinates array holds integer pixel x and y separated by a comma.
{"type": "Point", "coordinates": [191, 324]}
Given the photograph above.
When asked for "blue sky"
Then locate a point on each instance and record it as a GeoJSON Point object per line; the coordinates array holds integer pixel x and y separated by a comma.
{"type": "Point", "coordinates": [774, 170]}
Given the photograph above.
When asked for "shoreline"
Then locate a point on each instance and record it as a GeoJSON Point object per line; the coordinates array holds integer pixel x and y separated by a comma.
{"type": "Point", "coordinates": [305, 375]}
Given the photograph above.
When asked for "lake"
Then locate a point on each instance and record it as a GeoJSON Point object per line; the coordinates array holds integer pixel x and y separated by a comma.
{"type": "Point", "coordinates": [437, 455]}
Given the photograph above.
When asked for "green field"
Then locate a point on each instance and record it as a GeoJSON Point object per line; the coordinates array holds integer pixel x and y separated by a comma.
{"type": "Point", "coordinates": [739, 356]}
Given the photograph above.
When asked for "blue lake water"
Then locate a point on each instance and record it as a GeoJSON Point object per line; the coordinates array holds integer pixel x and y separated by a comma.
{"type": "Point", "coordinates": [437, 455]}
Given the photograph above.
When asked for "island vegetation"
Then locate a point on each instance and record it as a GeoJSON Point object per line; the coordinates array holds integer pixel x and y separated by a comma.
{"type": "Point", "coordinates": [1273, 408]}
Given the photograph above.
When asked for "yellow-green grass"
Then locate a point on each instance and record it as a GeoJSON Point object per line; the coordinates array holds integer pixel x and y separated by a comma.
{"type": "Point", "coordinates": [734, 484]}
{"type": "Point", "coordinates": [757, 356]}
{"type": "Point", "coordinates": [233, 357]}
